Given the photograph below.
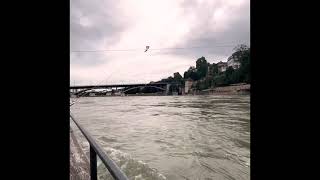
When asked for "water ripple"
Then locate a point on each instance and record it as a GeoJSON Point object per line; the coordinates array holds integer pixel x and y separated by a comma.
{"type": "Point", "coordinates": [181, 137]}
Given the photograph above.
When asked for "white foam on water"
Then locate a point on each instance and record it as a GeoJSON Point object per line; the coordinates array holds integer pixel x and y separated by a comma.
{"type": "Point", "coordinates": [139, 177]}
{"type": "Point", "coordinates": [135, 170]}
{"type": "Point", "coordinates": [247, 164]}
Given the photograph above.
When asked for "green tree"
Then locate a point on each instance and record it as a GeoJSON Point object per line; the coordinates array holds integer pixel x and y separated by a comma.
{"type": "Point", "coordinates": [187, 74]}
{"type": "Point", "coordinates": [177, 76]}
{"type": "Point", "coordinates": [200, 72]}
{"type": "Point", "coordinates": [202, 67]}
{"type": "Point", "coordinates": [242, 55]}
{"type": "Point", "coordinates": [214, 69]}
{"type": "Point", "coordinates": [167, 80]}
{"type": "Point", "coordinates": [206, 83]}
{"type": "Point", "coordinates": [241, 48]}
{"type": "Point", "coordinates": [219, 80]}
{"type": "Point", "coordinates": [230, 75]}
{"type": "Point", "coordinates": [191, 73]}
{"type": "Point", "coordinates": [244, 69]}
{"type": "Point", "coordinates": [240, 51]}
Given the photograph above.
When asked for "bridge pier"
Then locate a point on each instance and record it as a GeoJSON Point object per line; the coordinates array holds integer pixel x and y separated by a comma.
{"type": "Point", "coordinates": [167, 89]}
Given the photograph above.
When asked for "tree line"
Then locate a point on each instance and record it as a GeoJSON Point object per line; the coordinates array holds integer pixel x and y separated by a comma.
{"type": "Point", "coordinates": [207, 75]}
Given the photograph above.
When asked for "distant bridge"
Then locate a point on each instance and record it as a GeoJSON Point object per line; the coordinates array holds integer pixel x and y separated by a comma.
{"type": "Point", "coordinates": [163, 89]}
{"type": "Point", "coordinates": [78, 90]}
{"type": "Point", "coordinates": [117, 86]}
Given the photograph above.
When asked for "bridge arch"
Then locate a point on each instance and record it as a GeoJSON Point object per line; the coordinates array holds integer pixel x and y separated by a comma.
{"type": "Point", "coordinates": [163, 89]}
{"type": "Point", "coordinates": [82, 91]}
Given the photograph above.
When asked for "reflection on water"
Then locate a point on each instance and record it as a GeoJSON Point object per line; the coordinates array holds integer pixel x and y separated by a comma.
{"type": "Point", "coordinates": [172, 137]}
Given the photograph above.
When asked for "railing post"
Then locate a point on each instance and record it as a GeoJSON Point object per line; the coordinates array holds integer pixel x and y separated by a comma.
{"type": "Point", "coordinates": [93, 164]}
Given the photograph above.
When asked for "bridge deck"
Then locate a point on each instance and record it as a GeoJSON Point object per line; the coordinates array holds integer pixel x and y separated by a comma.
{"type": "Point", "coordinates": [116, 85]}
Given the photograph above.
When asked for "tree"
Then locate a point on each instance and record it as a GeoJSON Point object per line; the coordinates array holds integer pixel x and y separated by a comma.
{"type": "Point", "coordinates": [177, 76]}
{"type": "Point", "coordinates": [242, 55]}
{"type": "Point", "coordinates": [187, 73]}
{"type": "Point", "coordinates": [216, 78]}
{"type": "Point", "coordinates": [229, 71]}
{"type": "Point", "coordinates": [245, 66]}
{"type": "Point", "coordinates": [191, 73]}
{"type": "Point", "coordinates": [229, 75]}
{"type": "Point", "coordinates": [214, 69]}
{"type": "Point", "coordinates": [202, 67]}
{"type": "Point", "coordinates": [241, 48]}
{"type": "Point", "coordinates": [240, 51]}
{"type": "Point", "coordinates": [205, 84]}
{"type": "Point", "coordinates": [167, 80]}
{"type": "Point", "coordinates": [219, 80]}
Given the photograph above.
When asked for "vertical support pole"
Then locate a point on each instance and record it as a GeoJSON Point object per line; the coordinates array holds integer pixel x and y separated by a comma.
{"type": "Point", "coordinates": [93, 164]}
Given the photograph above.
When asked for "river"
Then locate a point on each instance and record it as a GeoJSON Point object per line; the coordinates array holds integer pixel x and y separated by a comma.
{"type": "Point", "coordinates": [170, 137]}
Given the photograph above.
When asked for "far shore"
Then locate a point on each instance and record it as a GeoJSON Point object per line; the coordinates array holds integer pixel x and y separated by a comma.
{"type": "Point", "coordinates": [195, 94]}
{"type": "Point", "coordinates": [235, 89]}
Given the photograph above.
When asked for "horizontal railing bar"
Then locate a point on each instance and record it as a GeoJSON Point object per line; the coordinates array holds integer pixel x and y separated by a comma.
{"type": "Point", "coordinates": [114, 170]}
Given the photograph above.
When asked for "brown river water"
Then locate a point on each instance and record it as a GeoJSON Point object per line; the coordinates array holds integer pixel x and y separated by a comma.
{"type": "Point", "coordinates": [170, 137]}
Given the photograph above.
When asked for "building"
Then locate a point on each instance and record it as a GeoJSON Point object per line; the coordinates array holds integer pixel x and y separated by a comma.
{"type": "Point", "coordinates": [222, 66]}
{"type": "Point", "coordinates": [233, 62]}
{"type": "Point", "coordinates": [187, 85]}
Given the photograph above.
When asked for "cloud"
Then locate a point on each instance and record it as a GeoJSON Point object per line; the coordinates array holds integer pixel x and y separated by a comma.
{"type": "Point", "coordinates": [215, 25]}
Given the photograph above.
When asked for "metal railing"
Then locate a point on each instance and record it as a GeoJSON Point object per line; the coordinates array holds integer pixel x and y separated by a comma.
{"type": "Point", "coordinates": [96, 149]}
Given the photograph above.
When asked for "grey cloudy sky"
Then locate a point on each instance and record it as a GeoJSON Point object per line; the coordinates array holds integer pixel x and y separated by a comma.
{"type": "Point", "coordinates": [216, 26]}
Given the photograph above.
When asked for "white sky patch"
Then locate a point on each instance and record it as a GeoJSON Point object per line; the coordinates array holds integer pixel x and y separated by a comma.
{"type": "Point", "coordinates": [146, 67]}
{"type": "Point", "coordinates": [157, 23]}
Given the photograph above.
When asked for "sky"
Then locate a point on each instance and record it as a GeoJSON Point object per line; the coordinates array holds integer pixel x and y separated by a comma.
{"type": "Point", "coordinates": [108, 37]}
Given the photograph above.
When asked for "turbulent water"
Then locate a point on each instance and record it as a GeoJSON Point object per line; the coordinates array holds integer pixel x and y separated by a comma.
{"type": "Point", "coordinates": [170, 137]}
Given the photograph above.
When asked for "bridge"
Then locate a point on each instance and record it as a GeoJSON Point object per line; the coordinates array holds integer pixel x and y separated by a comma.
{"type": "Point", "coordinates": [116, 86]}
{"type": "Point", "coordinates": [123, 88]}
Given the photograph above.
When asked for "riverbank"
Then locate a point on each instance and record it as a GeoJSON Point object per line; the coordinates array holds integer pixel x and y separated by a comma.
{"type": "Point", "coordinates": [79, 163]}
{"type": "Point", "coordinates": [233, 89]}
